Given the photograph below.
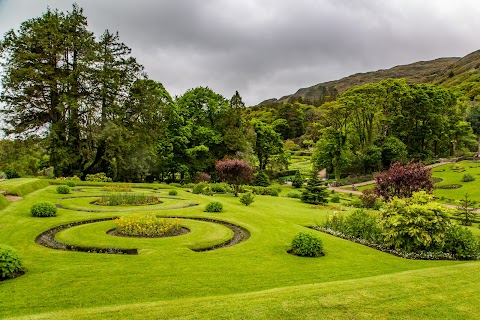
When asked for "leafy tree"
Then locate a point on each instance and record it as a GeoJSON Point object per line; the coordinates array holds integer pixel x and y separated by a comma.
{"type": "Point", "coordinates": [332, 152]}
{"type": "Point", "coordinates": [315, 192]}
{"type": "Point", "coordinates": [473, 117]}
{"type": "Point", "coordinates": [402, 181]}
{"type": "Point", "coordinates": [267, 143]}
{"type": "Point", "coordinates": [234, 172]}
{"type": "Point", "coordinates": [393, 150]}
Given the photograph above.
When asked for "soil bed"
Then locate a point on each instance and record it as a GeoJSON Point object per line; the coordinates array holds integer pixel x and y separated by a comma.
{"type": "Point", "coordinates": [179, 232]}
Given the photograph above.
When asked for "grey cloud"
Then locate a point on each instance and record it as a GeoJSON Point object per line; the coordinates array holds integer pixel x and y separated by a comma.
{"type": "Point", "coordinates": [271, 48]}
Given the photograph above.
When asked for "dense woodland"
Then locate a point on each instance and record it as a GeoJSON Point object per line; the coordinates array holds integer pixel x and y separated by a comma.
{"type": "Point", "coordinates": [79, 103]}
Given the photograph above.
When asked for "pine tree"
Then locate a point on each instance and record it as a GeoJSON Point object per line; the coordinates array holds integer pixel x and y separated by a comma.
{"type": "Point", "coordinates": [297, 181]}
{"type": "Point", "coordinates": [316, 192]}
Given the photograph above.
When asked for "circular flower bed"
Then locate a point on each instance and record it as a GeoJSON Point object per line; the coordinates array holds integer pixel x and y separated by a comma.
{"type": "Point", "coordinates": [127, 199]}
{"type": "Point", "coordinates": [148, 226]}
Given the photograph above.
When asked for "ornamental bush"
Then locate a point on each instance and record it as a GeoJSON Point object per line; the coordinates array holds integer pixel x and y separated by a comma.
{"type": "Point", "coordinates": [295, 195]}
{"type": "Point", "coordinates": [335, 198]}
{"type": "Point", "coordinates": [461, 242]}
{"type": "Point", "coordinates": [172, 192]}
{"type": "Point", "coordinates": [214, 206]}
{"type": "Point", "coordinates": [247, 198]}
{"type": "Point", "coordinates": [297, 181]}
{"type": "Point", "coordinates": [43, 209]}
{"type": "Point", "coordinates": [63, 189]}
{"type": "Point", "coordinates": [198, 188]}
{"type": "Point", "coordinates": [307, 245]}
{"type": "Point", "coordinates": [71, 184]}
{"type": "Point", "coordinates": [98, 177]}
{"type": "Point", "coordinates": [467, 177]}
{"type": "Point", "coordinates": [10, 262]}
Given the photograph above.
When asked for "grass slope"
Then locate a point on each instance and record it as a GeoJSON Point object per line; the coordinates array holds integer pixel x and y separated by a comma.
{"type": "Point", "coordinates": [22, 186]}
{"type": "Point", "coordinates": [254, 279]}
{"type": "Point", "coordinates": [3, 202]}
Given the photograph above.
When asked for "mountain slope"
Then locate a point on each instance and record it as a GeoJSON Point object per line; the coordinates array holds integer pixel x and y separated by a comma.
{"type": "Point", "coordinates": [434, 71]}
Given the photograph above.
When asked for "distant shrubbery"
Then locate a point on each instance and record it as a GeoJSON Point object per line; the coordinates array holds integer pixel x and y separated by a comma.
{"type": "Point", "coordinates": [63, 189]}
{"type": "Point", "coordinates": [247, 199]}
{"type": "Point", "coordinates": [467, 177]}
{"type": "Point", "coordinates": [172, 192]}
{"type": "Point", "coordinates": [98, 177]}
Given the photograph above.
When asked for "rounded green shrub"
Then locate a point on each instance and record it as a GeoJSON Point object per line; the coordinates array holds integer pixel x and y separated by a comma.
{"type": "Point", "coordinates": [71, 184]}
{"type": "Point", "coordinates": [247, 198]}
{"type": "Point", "coordinates": [293, 194]}
{"type": "Point", "coordinates": [274, 193]}
{"type": "Point", "coordinates": [467, 177]}
{"type": "Point", "coordinates": [172, 192]}
{"type": "Point", "coordinates": [10, 262]}
{"type": "Point", "coordinates": [63, 189]}
{"type": "Point", "coordinates": [43, 209]}
{"type": "Point", "coordinates": [214, 206]}
{"type": "Point", "coordinates": [307, 245]}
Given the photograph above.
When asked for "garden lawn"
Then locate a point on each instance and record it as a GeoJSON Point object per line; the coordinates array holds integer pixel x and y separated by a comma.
{"type": "Point", "coordinates": [254, 279]}
{"type": "Point", "coordinates": [449, 175]}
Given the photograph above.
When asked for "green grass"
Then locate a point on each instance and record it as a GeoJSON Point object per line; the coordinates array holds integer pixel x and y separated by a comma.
{"type": "Point", "coordinates": [22, 186]}
{"type": "Point", "coordinates": [254, 279]}
{"type": "Point", "coordinates": [3, 202]}
{"type": "Point", "coordinates": [301, 163]}
{"type": "Point", "coordinates": [451, 176]}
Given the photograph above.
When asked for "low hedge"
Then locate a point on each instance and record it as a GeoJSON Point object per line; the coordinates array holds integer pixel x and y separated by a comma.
{"type": "Point", "coordinates": [23, 189]}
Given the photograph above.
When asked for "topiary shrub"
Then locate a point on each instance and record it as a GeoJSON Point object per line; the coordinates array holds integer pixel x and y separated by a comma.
{"type": "Point", "coordinates": [10, 262]}
{"type": "Point", "coordinates": [467, 177]}
{"type": "Point", "coordinates": [63, 189]}
{"type": "Point", "coordinates": [71, 184]}
{"type": "Point", "coordinates": [307, 245]}
{"type": "Point", "coordinates": [172, 192]}
{"type": "Point", "coordinates": [198, 188]}
{"type": "Point", "coordinates": [214, 206]}
{"type": "Point", "coordinates": [247, 198]}
{"type": "Point", "coordinates": [43, 209]}
{"type": "Point", "coordinates": [261, 179]}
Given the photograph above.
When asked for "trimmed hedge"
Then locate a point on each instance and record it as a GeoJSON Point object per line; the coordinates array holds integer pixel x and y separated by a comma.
{"type": "Point", "coordinates": [214, 206]}
{"type": "Point", "coordinates": [307, 245]}
{"type": "Point", "coordinates": [23, 189]}
{"type": "Point", "coordinates": [63, 189]}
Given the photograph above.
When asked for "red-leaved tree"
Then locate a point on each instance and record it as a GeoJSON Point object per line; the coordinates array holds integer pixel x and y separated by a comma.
{"type": "Point", "coordinates": [234, 172]}
{"type": "Point", "coordinates": [401, 181]}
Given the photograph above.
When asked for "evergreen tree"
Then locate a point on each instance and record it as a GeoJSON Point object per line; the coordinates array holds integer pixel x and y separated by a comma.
{"type": "Point", "coordinates": [316, 192]}
{"type": "Point", "coordinates": [297, 181]}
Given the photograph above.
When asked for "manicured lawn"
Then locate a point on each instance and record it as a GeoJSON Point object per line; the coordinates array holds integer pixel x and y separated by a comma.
{"type": "Point", "coordinates": [451, 176]}
{"type": "Point", "coordinates": [254, 279]}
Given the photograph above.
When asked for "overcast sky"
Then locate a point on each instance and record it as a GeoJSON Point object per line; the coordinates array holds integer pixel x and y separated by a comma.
{"type": "Point", "coordinates": [270, 48]}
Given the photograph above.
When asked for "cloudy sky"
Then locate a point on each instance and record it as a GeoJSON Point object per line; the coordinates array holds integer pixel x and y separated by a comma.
{"type": "Point", "coordinates": [270, 48]}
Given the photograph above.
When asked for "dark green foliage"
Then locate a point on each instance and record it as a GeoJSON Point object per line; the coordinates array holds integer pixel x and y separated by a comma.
{"type": "Point", "coordinates": [261, 179]}
{"type": "Point", "coordinates": [467, 177]}
{"type": "Point", "coordinates": [315, 193]}
{"type": "Point", "coordinates": [247, 198]}
{"type": "Point", "coordinates": [43, 209]}
{"type": "Point", "coordinates": [267, 143]}
{"type": "Point", "coordinates": [71, 184]}
{"type": "Point", "coordinates": [10, 262]}
{"type": "Point", "coordinates": [220, 188]}
{"type": "Point", "coordinates": [307, 245]}
{"type": "Point", "coordinates": [274, 193]}
{"type": "Point", "coordinates": [449, 186]}
{"type": "Point", "coordinates": [63, 189]}
{"type": "Point", "coordinates": [358, 224]}
{"type": "Point", "coordinates": [266, 191]}
{"type": "Point", "coordinates": [172, 192]}
{"type": "Point", "coordinates": [11, 173]}
{"type": "Point", "coordinates": [466, 211]}
{"type": "Point", "coordinates": [297, 181]}
{"type": "Point", "coordinates": [335, 198]}
{"type": "Point", "coordinates": [214, 206]}
{"type": "Point", "coordinates": [461, 242]}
